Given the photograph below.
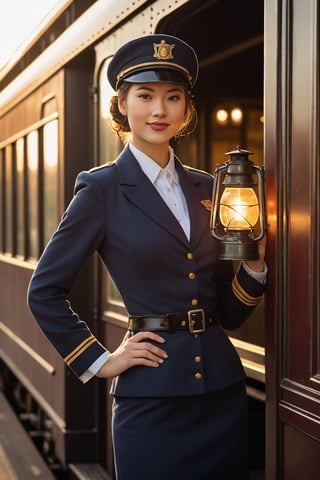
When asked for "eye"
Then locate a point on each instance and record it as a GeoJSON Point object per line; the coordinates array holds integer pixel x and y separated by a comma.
{"type": "Point", "coordinates": [144, 96]}
{"type": "Point", "coordinates": [174, 98]}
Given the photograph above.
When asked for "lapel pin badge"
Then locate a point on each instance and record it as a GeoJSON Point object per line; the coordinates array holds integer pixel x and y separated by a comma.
{"type": "Point", "coordinates": [206, 204]}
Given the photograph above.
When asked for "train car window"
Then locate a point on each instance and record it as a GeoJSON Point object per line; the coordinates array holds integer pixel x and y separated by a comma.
{"type": "Point", "coordinates": [8, 203]}
{"type": "Point", "coordinates": [110, 145]}
{"type": "Point", "coordinates": [188, 148]}
{"type": "Point", "coordinates": [1, 200]}
{"type": "Point", "coordinates": [29, 190]}
{"type": "Point", "coordinates": [50, 178]}
{"type": "Point", "coordinates": [19, 198]}
{"type": "Point", "coordinates": [109, 148]}
{"type": "Point", "coordinates": [33, 195]}
{"type": "Point", "coordinates": [113, 294]}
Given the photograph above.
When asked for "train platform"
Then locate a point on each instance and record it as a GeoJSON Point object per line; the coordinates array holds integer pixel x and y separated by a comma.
{"type": "Point", "coordinates": [19, 457]}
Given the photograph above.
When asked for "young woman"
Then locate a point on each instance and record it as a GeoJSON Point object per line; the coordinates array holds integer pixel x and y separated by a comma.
{"type": "Point", "coordinates": [179, 393]}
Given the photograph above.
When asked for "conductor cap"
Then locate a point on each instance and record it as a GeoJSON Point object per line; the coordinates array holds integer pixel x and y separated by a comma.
{"type": "Point", "coordinates": [154, 58]}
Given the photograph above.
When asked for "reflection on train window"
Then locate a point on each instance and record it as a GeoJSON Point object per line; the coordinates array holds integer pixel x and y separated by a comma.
{"type": "Point", "coordinates": [33, 194]}
{"type": "Point", "coordinates": [109, 148]}
{"type": "Point", "coordinates": [8, 198]}
{"type": "Point", "coordinates": [113, 293]}
{"type": "Point", "coordinates": [1, 199]}
{"type": "Point", "coordinates": [50, 178]}
{"type": "Point", "coordinates": [19, 203]}
{"type": "Point", "coordinates": [110, 144]}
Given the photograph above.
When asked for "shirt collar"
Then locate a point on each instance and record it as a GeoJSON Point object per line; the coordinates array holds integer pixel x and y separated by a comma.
{"type": "Point", "coordinates": [150, 168]}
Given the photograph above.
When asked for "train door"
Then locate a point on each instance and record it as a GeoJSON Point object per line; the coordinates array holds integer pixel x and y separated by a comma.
{"type": "Point", "coordinates": [293, 172]}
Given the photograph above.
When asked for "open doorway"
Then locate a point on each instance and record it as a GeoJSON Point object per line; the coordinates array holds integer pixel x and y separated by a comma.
{"type": "Point", "coordinates": [229, 99]}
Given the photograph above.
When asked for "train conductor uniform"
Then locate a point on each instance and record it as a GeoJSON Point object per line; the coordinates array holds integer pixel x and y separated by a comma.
{"type": "Point", "coordinates": [187, 418]}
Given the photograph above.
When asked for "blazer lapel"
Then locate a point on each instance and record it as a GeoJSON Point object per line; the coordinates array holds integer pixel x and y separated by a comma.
{"type": "Point", "coordinates": [140, 191]}
{"type": "Point", "coordinates": [195, 192]}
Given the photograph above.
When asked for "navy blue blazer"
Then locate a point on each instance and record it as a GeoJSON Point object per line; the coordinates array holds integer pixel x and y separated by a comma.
{"type": "Point", "coordinates": [117, 212]}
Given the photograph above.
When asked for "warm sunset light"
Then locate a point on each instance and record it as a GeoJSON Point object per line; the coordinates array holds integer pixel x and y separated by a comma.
{"type": "Point", "coordinates": [20, 21]}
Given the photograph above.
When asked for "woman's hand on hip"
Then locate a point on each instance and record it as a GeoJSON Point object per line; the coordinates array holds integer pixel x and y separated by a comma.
{"type": "Point", "coordinates": [134, 350]}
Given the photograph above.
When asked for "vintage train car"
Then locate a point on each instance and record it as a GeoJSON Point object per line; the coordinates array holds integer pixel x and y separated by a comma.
{"type": "Point", "coordinates": [258, 87]}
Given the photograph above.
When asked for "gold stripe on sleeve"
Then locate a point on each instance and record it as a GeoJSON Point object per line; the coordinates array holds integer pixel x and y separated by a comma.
{"type": "Point", "coordinates": [72, 356]}
{"type": "Point", "coordinates": [243, 296]}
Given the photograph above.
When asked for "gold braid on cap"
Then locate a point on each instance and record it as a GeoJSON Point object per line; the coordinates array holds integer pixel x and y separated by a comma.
{"type": "Point", "coordinates": [156, 64]}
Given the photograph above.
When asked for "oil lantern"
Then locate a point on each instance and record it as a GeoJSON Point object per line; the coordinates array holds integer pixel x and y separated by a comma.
{"type": "Point", "coordinates": [238, 214]}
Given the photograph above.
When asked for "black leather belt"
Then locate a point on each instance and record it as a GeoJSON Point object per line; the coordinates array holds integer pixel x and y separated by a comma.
{"type": "Point", "coordinates": [196, 321]}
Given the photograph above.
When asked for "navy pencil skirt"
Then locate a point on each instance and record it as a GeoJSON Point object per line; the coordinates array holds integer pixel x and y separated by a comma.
{"type": "Point", "coordinates": [189, 438]}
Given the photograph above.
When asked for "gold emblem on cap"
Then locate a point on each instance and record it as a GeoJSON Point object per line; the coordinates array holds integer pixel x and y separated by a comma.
{"type": "Point", "coordinates": [163, 50]}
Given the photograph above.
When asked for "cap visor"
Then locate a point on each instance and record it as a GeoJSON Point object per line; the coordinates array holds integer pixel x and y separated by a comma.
{"type": "Point", "coordinates": [156, 76]}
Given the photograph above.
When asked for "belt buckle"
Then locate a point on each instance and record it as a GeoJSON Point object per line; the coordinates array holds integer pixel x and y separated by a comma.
{"type": "Point", "coordinates": [194, 317]}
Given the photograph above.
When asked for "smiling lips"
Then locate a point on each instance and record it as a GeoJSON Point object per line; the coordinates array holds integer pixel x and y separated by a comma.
{"type": "Point", "coordinates": [158, 126]}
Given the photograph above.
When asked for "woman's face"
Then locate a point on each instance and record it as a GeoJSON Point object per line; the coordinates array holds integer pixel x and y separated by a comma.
{"type": "Point", "coordinates": [155, 112]}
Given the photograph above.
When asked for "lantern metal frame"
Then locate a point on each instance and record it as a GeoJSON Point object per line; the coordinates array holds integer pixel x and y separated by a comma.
{"type": "Point", "coordinates": [238, 172]}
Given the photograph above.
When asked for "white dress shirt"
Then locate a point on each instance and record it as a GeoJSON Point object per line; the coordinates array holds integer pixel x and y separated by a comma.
{"type": "Point", "coordinates": [166, 182]}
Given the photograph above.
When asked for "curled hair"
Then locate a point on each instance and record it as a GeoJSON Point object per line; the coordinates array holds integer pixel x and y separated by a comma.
{"type": "Point", "coordinates": [191, 118]}
{"type": "Point", "coordinates": [119, 122]}
{"type": "Point", "coordinates": [120, 125]}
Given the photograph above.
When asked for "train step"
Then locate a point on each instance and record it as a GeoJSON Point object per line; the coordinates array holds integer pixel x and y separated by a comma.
{"type": "Point", "coordinates": [19, 457]}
